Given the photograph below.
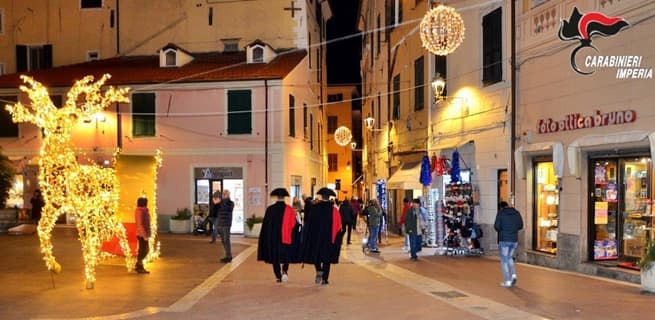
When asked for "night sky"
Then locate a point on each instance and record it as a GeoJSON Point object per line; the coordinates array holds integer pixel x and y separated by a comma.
{"type": "Point", "coordinates": [343, 56]}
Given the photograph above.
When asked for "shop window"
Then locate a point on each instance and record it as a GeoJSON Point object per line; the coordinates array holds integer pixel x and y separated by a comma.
{"type": "Point", "coordinates": [8, 129]}
{"type": "Point", "coordinates": [143, 115]}
{"type": "Point", "coordinates": [239, 112]}
{"type": "Point", "coordinates": [547, 208]}
{"type": "Point", "coordinates": [636, 220]}
{"type": "Point", "coordinates": [621, 212]}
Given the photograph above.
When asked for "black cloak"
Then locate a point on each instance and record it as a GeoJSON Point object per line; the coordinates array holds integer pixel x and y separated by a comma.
{"type": "Point", "coordinates": [270, 248]}
{"type": "Point", "coordinates": [317, 243]}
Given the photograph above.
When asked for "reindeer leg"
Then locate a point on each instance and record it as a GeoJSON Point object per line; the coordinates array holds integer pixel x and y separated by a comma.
{"type": "Point", "coordinates": [44, 229]}
{"type": "Point", "coordinates": [90, 250]}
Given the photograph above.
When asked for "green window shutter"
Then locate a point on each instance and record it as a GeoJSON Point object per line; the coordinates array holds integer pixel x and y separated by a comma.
{"type": "Point", "coordinates": [143, 115]}
{"type": "Point", "coordinates": [239, 112]}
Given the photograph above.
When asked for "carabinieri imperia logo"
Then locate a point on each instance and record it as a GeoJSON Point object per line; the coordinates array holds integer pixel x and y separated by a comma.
{"type": "Point", "coordinates": [592, 24]}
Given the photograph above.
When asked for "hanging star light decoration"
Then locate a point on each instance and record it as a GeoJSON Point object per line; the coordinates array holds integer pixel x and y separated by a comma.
{"type": "Point", "coordinates": [90, 192]}
{"type": "Point", "coordinates": [442, 30]}
{"type": "Point", "coordinates": [342, 136]}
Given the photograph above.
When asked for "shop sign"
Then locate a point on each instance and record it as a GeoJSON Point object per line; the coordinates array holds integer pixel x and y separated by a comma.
{"type": "Point", "coordinates": [575, 121]}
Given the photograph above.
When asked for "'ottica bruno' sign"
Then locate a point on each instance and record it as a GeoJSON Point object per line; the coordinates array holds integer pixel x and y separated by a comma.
{"type": "Point", "coordinates": [575, 121]}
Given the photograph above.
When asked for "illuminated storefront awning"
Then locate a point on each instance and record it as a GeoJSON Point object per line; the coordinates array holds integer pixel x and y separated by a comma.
{"type": "Point", "coordinates": [406, 178]}
{"type": "Point", "coordinates": [636, 138]}
{"type": "Point", "coordinates": [521, 153]}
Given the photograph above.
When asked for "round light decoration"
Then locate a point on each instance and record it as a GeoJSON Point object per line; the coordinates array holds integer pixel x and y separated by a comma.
{"type": "Point", "coordinates": [442, 30]}
{"type": "Point", "coordinates": [342, 136]}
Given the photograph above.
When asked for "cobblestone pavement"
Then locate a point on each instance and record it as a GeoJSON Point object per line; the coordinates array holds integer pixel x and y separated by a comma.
{"type": "Point", "coordinates": [189, 282]}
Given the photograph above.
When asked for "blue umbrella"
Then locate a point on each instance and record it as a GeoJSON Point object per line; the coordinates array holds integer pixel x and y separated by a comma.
{"type": "Point", "coordinates": [426, 173]}
{"type": "Point", "coordinates": [454, 169]}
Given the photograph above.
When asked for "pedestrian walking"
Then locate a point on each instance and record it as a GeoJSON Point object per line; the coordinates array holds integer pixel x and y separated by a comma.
{"type": "Point", "coordinates": [37, 205]}
{"type": "Point", "coordinates": [348, 218]}
{"type": "Point", "coordinates": [213, 215]}
{"type": "Point", "coordinates": [508, 223]}
{"type": "Point", "coordinates": [406, 206]}
{"type": "Point", "coordinates": [322, 236]}
{"type": "Point", "coordinates": [374, 219]}
{"type": "Point", "coordinates": [224, 223]}
{"type": "Point", "coordinates": [279, 238]}
{"type": "Point", "coordinates": [142, 219]}
{"type": "Point", "coordinates": [414, 225]}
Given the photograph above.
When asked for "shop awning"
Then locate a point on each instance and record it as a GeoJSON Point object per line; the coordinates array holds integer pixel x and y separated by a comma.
{"type": "Point", "coordinates": [522, 152]}
{"type": "Point", "coordinates": [406, 178]}
{"type": "Point", "coordinates": [620, 139]}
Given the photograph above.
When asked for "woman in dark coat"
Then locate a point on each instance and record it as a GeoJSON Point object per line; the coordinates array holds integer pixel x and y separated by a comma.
{"type": "Point", "coordinates": [322, 236]}
{"type": "Point", "coordinates": [279, 239]}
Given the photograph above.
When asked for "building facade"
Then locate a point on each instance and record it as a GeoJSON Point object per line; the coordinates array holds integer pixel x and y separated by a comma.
{"type": "Point", "coordinates": [585, 149]}
{"type": "Point", "coordinates": [231, 104]}
{"type": "Point", "coordinates": [344, 161]}
{"type": "Point", "coordinates": [472, 116]}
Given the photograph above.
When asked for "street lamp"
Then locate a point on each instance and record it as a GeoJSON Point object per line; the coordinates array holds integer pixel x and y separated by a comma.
{"type": "Point", "coordinates": [370, 124]}
{"type": "Point", "coordinates": [438, 86]}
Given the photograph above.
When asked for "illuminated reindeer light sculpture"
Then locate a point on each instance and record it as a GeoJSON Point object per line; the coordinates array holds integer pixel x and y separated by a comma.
{"type": "Point", "coordinates": [88, 191]}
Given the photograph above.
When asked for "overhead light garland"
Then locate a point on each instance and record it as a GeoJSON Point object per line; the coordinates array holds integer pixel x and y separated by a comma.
{"type": "Point", "coordinates": [90, 192]}
{"type": "Point", "coordinates": [343, 136]}
{"type": "Point", "coordinates": [442, 30]}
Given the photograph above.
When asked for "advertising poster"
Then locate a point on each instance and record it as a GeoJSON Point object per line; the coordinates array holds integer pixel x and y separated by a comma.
{"type": "Point", "coordinates": [605, 250]}
{"type": "Point", "coordinates": [600, 212]}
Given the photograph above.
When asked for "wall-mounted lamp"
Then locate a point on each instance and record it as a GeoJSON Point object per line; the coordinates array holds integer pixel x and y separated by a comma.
{"type": "Point", "coordinates": [348, 166]}
{"type": "Point", "coordinates": [438, 86]}
{"type": "Point", "coordinates": [98, 117]}
{"type": "Point", "coordinates": [370, 124]}
{"type": "Point", "coordinates": [353, 146]}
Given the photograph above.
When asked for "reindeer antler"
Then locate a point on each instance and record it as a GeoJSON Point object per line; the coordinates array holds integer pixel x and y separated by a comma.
{"type": "Point", "coordinates": [94, 101]}
{"type": "Point", "coordinates": [40, 99]}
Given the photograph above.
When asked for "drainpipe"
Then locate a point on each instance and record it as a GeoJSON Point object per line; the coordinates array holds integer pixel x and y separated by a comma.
{"type": "Point", "coordinates": [118, 27]}
{"type": "Point", "coordinates": [119, 127]}
{"type": "Point", "coordinates": [513, 94]}
{"type": "Point", "coordinates": [266, 137]}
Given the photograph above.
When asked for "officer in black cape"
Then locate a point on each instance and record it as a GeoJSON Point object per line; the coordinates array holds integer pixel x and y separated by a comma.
{"type": "Point", "coordinates": [279, 239]}
{"type": "Point", "coordinates": [322, 236]}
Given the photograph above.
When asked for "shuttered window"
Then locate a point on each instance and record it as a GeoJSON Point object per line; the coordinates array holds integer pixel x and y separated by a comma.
{"type": "Point", "coordinates": [239, 112]}
{"type": "Point", "coordinates": [143, 115]}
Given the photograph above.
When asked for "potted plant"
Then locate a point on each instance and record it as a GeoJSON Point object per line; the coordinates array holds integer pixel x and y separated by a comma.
{"type": "Point", "coordinates": [647, 264]}
{"type": "Point", "coordinates": [181, 221]}
{"type": "Point", "coordinates": [253, 226]}
{"type": "Point", "coordinates": [8, 216]}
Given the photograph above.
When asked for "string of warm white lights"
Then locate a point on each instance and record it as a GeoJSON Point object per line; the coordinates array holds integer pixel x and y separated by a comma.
{"type": "Point", "coordinates": [90, 192]}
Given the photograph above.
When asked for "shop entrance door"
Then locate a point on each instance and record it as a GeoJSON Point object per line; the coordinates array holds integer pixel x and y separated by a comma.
{"type": "Point", "coordinates": [620, 207]}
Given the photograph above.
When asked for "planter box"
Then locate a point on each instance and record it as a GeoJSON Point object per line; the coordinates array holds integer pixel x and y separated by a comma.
{"type": "Point", "coordinates": [648, 279]}
{"type": "Point", "coordinates": [180, 226]}
{"type": "Point", "coordinates": [254, 232]}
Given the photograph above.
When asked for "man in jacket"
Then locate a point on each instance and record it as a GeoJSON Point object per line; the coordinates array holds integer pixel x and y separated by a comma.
{"type": "Point", "coordinates": [348, 217]}
{"type": "Point", "coordinates": [224, 223]}
{"type": "Point", "coordinates": [322, 236]}
{"type": "Point", "coordinates": [508, 223]}
{"type": "Point", "coordinates": [414, 224]}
